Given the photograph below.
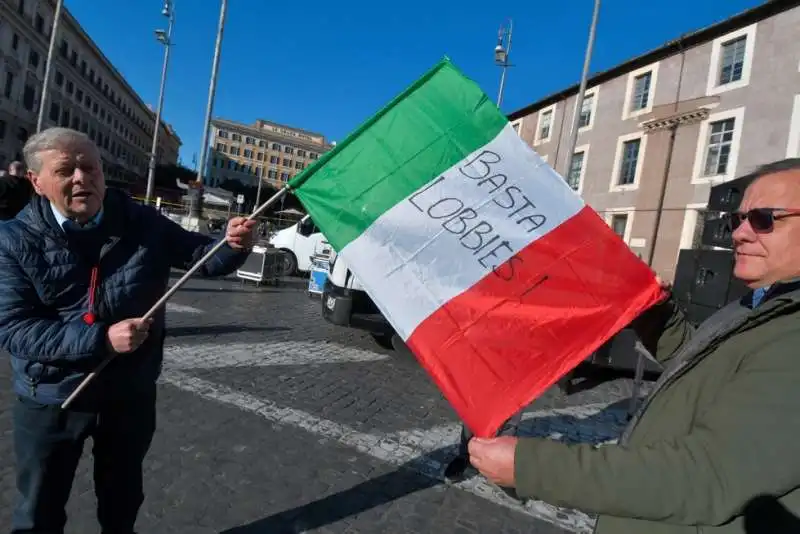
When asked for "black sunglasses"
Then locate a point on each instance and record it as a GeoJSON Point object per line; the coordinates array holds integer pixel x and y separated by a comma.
{"type": "Point", "coordinates": [762, 220]}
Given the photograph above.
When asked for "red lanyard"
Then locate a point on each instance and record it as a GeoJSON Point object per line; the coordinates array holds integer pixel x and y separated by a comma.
{"type": "Point", "coordinates": [89, 317]}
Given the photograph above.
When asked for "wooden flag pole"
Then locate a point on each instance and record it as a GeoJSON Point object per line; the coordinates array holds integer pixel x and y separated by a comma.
{"type": "Point", "coordinates": [163, 300]}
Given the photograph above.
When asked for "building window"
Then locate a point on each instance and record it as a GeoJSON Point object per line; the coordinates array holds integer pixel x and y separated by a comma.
{"type": "Point", "coordinates": [33, 59]}
{"type": "Point", "coordinates": [718, 146]}
{"type": "Point", "coordinates": [236, 137]}
{"type": "Point", "coordinates": [732, 63]}
{"type": "Point", "coordinates": [299, 165]}
{"type": "Point", "coordinates": [249, 141]}
{"type": "Point", "coordinates": [793, 145]}
{"type": "Point", "coordinates": [9, 85]}
{"type": "Point", "coordinates": [59, 79]}
{"type": "Point", "coordinates": [718, 150]}
{"type": "Point", "coordinates": [731, 60]}
{"type": "Point", "coordinates": [287, 163]}
{"type": "Point", "coordinates": [585, 119]}
{"type": "Point", "coordinates": [289, 150]}
{"type": "Point", "coordinates": [641, 91]}
{"type": "Point", "coordinates": [223, 134]}
{"type": "Point", "coordinates": [15, 42]}
{"type": "Point", "coordinates": [248, 153]}
{"type": "Point", "coordinates": [274, 160]}
{"type": "Point", "coordinates": [276, 146]}
{"type": "Point", "coordinates": [39, 23]}
{"type": "Point", "coordinates": [235, 151]}
{"type": "Point", "coordinates": [28, 97]}
{"type": "Point", "coordinates": [301, 153]}
{"type": "Point", "coordinates": [221, 148]}
{"type": "Point", "coordinates": [284, 176]}
{"type": "Point", "coordinates": [576, 170]}
{"type": "Point", "coordinates": [312, 155]}
{"type": "Point", "coordinates": [54, 112]}
{"type": "Point", "coordinates": [619, 224]}
{"type": "Point", "coordinates": [2, 129]}
{"type": "Point", "coordinates": [262, 144]}
{"type": "Point", "coordinates": [545, 126]}
{"type": "Point", "coordinates": [629, 163]}
{"type": "Point", "coordinates": [260, 156]}
{"type": "Point", "coordinates": [272, 174]}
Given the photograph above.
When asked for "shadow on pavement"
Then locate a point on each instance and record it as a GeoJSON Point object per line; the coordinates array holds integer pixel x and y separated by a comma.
{"type": "Point", "coordinates": [376, 492]}
{"type": "Point", "coordinates": [604, 426]}
{"type": "Point", "coordinates": [214, 329]}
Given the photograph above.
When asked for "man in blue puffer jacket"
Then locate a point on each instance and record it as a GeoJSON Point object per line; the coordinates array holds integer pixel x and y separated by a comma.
{"type": "Point", "coordinates": [80, 266]}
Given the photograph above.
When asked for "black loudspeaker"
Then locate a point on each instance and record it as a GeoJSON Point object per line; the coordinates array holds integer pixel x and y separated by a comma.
{"type": "Point", "coordinates": [704, 277]}
{"type": "Point", "coordinates": [728, 195]}
{"type": "Point", "coordinates": [717, 231]}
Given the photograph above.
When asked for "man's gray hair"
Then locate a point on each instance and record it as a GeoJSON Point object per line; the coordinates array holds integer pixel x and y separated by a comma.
{"type": "Point", "coordinates": [51, 139]}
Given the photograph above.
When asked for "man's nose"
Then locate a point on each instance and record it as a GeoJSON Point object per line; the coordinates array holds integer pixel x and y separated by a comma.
{"type": "Point", "coordinates": [744, 233]}
{"type": "Point", "coordinates": [79, 176]}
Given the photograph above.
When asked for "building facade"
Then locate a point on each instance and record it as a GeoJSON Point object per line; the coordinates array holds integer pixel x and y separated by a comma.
{"type": "Point", "coordinates": [265, 150]}
{"type": "Point", "coordinates": [658, 131]}
{"type": "Point", "coordinates": [86, 93]}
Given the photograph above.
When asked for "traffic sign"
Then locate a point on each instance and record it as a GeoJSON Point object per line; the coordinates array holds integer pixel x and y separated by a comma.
{"type": "Point", "coordinates": [240, 199]}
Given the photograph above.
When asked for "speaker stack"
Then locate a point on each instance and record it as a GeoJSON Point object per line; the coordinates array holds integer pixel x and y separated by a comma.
{"type": "Point", "coordinates": [704, 279]}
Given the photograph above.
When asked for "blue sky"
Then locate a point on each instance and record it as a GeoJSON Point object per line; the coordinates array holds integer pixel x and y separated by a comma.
{"type": "Point", "coordinates": [327, 66]}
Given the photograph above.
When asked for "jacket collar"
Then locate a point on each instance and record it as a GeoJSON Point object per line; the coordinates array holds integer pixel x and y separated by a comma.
{"type": "Point", "coordinates": [39, 216]}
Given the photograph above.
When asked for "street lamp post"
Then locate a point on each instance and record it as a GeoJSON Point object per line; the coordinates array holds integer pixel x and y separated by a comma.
{"type": "Point", "coordinates": [212, 89]}
{"type": "Point", "coordinates": [587, 60]}
{"type": "Point", "coordinates": [166, 40]}
{"type": "Point", "coordinates": [501, 54]}
{"type": "Point", "coordinates": [47, 67]}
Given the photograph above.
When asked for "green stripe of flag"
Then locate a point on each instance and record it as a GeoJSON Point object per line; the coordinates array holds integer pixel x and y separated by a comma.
{"type": "Point", "coordinates": [431, 126]}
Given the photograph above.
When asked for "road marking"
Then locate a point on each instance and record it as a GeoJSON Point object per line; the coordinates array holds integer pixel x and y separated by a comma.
{"type": "Point", "coordinates": [181, 308]}
{"type": "Point", "coordinates": [394, 449]}
{"type": "Point", "coordinates": [213, 355]}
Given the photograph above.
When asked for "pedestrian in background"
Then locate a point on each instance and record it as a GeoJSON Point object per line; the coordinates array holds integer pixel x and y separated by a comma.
{"type": "Point", "coordinates": [80, 266]}
{"type": "Point", "coordinates": [15, 191]}
{"type": "Point", "coordinates": [717, 438]}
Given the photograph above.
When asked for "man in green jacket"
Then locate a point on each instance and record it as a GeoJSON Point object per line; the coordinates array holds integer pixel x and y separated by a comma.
{"type": "Point", "coordinates": [720, 433]}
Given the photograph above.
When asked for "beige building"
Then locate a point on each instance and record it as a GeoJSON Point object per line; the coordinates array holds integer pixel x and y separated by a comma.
{"type": "Point", "coordinates": [658, 131]}
{"type": "Point", "coordinates": [267, 150]}
{"type": "Point", "coordinates": [87, 93]}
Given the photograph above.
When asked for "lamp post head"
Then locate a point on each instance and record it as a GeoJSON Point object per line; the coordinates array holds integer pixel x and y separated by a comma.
{"type": "Point", "coordinates": [167, 10]}
{"type": "Point", "coordinates": [161, 36]}
{"type": "Point", "coordinates": [500, 54]}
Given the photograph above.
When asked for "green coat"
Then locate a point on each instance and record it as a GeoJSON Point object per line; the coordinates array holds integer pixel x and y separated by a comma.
{"type": "Point", "coordinates": [721, 427]}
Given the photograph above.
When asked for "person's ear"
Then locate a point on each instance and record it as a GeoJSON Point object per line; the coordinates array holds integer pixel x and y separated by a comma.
{"type": "Point", "coordinates": [34, 179]}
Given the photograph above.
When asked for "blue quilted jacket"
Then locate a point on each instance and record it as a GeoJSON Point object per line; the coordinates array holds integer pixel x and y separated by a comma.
{"type": "Point", "coordinates": [54, 332]}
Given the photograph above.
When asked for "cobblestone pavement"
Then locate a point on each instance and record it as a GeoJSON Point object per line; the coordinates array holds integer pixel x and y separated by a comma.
{"type": "Point", "coordinates": [272, 420]}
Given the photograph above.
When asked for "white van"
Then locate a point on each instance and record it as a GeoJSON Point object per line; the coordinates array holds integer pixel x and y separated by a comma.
{"type": "Point", "coordinates": [301, 242]}
{"type": "Point", "coordinates": [345, 303]}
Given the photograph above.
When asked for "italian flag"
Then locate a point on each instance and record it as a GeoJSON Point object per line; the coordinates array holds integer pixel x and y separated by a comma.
{"type": "Point", "coordinates": [492, 270]}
